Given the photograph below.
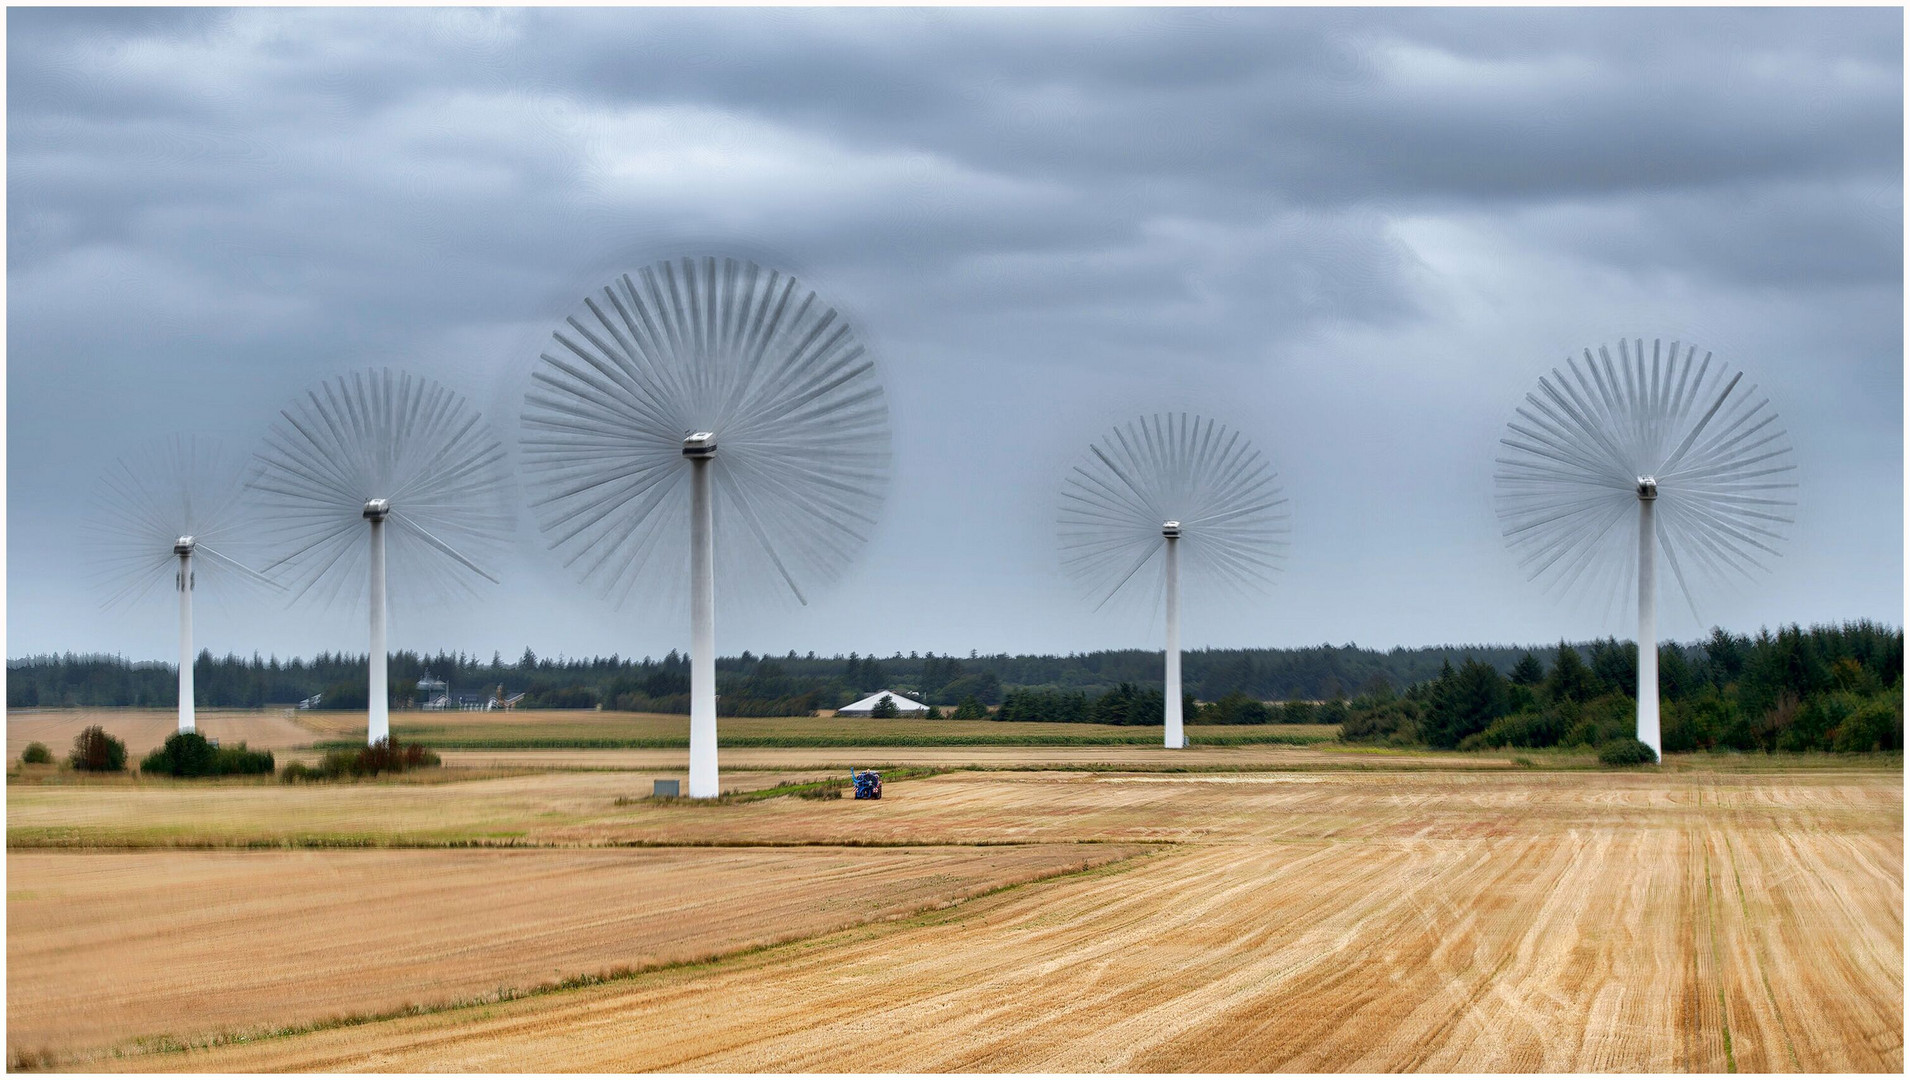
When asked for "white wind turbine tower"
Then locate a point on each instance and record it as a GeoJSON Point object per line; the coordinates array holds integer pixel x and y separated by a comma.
{"type": "Point", "coordinates": [402, 458]}
{"type": "Point", "coordinates": [1680, 442]}
{"type": "Point", "coordinates": [176, 503]}
{"type": "Point", "coordinates": [702, 399]}
{"type": "Point", "coordinates": [1177, 486]}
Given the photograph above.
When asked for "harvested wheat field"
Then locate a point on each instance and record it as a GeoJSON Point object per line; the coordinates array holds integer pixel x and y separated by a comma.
{"type": "Point", "coordinates": [244, 940]}
{"type": "Point", "coordinates": [1424, 919]}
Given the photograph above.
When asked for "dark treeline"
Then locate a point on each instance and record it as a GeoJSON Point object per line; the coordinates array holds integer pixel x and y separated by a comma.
{"type": "Point", "coordinates": [1825, 688]}
{"type": "Point", "coordinates": [749, 684]}
{"type": "Point", "coordinates": [1729, 690]}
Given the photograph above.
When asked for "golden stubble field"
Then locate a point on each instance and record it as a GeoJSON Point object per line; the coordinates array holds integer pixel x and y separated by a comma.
{"type": "Point", "coordinates": [1304, 916]}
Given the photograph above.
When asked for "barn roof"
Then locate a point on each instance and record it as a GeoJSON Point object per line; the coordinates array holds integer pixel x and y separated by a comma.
{"type": "Point", "coordinates": [902, 704]}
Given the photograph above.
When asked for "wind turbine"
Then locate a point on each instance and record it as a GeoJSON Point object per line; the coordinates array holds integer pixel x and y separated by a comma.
{"type": "Point", "coordinates": [161, 509]}
{"type": "Point", "coordinates": [1681, 443]}
{"type": "Point", "coordinates": [402, 458]}
{"type": "Point", "coordinates": [702, 398]}
{"type": "Point", "coordinates": [1172, 485]}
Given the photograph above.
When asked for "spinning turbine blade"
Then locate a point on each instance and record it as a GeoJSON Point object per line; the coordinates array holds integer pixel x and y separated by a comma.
{"type": "Point", "coordinates": [696, 398]}
{"type": "Point", "coordinates": [1186, 487]}
{"type": "Point", "coordinates": [369, 451]}
{"type": "Point", "coordinates": [1682, 443]}
{"type": "Point", "coordinates": [153, 513]}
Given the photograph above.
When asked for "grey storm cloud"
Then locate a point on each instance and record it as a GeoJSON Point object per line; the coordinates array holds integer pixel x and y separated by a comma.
{"type": "Point", "coordinates": [1358, 234]}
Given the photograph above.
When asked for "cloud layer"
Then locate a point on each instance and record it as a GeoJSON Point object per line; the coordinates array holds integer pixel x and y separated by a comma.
{"type": "Point", "coordinates": [1358, 235]}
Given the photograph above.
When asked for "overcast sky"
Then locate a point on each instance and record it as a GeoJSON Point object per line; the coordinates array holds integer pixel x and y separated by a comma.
{"type": "Point", "coordinates": [1358, 236]}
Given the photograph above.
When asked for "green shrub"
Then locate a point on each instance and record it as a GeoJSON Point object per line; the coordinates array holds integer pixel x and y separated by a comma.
{"type": "Point", "coordinates": [1704, 723]}
{"type": "Point", "coordinates": [296, 772]}
{"type": "Point", "coordinates": [380, 757]}
{"type": "Point", "coordinates": [185, 753]}
{"type": "Point", "coordinates": [1394, 721]}
{"type": "Point", "coordinates": [1817, 717]}
{"type": "Point", "coordinates": [96, 751]}
{"type": "Point", "coordinates": [36, 753]}
{"type": "Point", "coordinates": [969, 708]}
{"type": "Point", "coordinates": [1524, 730]}
{"type": "Point", "coordinates": [188, 753]}
{"type": "Point", "coordinates": [1875, 725]}
{"type": "Point", "coordinates": [239, 761]}
{"type": "Point", "coordinates": [1626, 752]}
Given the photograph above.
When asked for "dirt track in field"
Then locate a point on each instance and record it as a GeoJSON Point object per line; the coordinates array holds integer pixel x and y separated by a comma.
{"type": "Point", "coordinates": [1483, 921]}
{"type": "Point", "coordinates": [115, 946]}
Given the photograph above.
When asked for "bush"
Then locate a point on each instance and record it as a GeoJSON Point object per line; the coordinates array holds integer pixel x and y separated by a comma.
{"type": "Point", "coordinates": [188, 753]}
{"type": "Point", "coordinates": [382, 756]}
{"type": "Point", "coordinates": [1815, 720]}
{"type": "Point", "coordinates": [1876, 725]}
{"type": "Point", "coordinates": [36, 753]}
{"type": "Point", "coordinates": [1704, 723]}
{"type": "Point", "coordinates": [96, 751]}
{"type": "Point", "coordinates": [1394, 722]}
{"type": "Point", "coordinates": [969, 708]}
{"type": "Point", "coordinates": [1626, 752]}
{"type": "Point", "coordinates": [1601, 720]}
{"type": "Point", "coordinates": [1523, 730]}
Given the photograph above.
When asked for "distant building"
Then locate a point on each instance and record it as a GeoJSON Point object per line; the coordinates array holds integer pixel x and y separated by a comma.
{"type": "Point", "coordinates": [904, 706]}
{"type": "Point", "coordinates": [433, 694]}
{"type": "Point", "coordinates": [485, 701]}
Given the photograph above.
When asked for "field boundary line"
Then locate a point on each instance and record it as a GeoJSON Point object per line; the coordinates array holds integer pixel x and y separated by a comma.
{"type": "Point", "coordinates": [924, 915]}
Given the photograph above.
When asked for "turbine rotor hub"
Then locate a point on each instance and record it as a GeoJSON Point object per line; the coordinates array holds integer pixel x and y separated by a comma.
{"type": "Point", "coordinates": [1170, 529]}
{"type": "Point", "coordinates": [376, 509]}
{"type": "Point", "coordinates": [1647, 487]}
{"type": "Point", "coordinates": [183, 546]}
{"type": "Point", "coordinates": [701, 444]}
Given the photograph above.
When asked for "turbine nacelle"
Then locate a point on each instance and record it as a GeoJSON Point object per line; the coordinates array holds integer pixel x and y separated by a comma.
{"type": "Point", "coordinates": [1647, 487]}
{"type": "Point", "coordinates": [183, 545]}
{"type": "Point", "coordinates": [377, 509]}
{"type": "Point", "coordinates": [701, 444]}
{"type": "Point", "coordinates": [1170, 529]}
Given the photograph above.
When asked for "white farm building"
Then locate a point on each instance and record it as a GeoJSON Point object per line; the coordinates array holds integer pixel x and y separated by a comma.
{"type": "Point", "coordinates": [904, 706]}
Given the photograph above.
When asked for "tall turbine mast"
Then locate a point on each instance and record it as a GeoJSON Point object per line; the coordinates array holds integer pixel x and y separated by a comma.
{"type": "Point", "coordinates": [636, 392]}
{"type": "Point", "coordinates": [1679, 441]}
{"type": "Point", "coordinates": [1177, 486]}
{"type": "Point", "coordinates": [401, 457]}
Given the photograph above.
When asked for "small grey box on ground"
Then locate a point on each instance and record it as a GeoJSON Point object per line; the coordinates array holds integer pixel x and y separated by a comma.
{"type": "Point", "coordinates": [663, 787]}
